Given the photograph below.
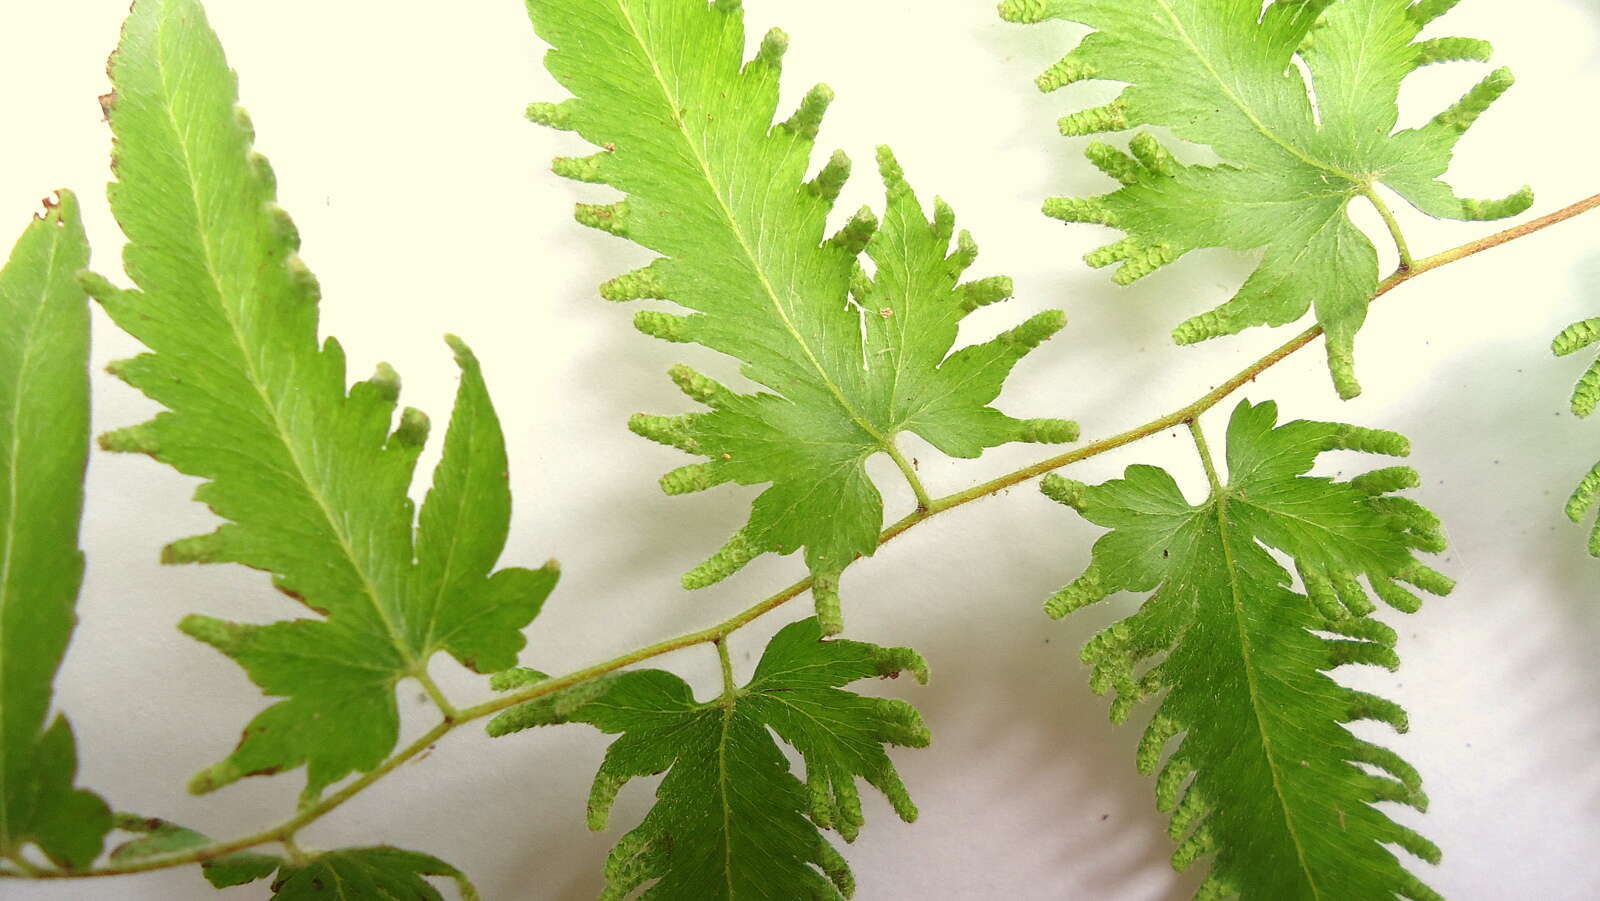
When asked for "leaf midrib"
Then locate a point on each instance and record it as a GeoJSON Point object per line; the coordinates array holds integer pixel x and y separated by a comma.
{"type": "Point", "coordinates": [256, 382]}
{"type": "Point", "coordinates": [725, 790]}
{"type": "Point", "coordinates": [744, 245]}
{"type": "Point", "coordinates": [1246, 651]}
{"type": "Point", "coordinates": [1227, 90]}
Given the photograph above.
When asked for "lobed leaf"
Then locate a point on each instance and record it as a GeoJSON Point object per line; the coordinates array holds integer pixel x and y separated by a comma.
{"type": "Point", "coordinates": [730, 820]}
{"type": "Point", "coordinates": [44, 446]}
{"type": "Point", "coordinates": [1295, 150]}
{"type": "Point", "coordinates": [1265, 779]}
{"type": "Point", "coordinates": [720, 192]}
{"type": "Point", "coordinates": [310, 479]}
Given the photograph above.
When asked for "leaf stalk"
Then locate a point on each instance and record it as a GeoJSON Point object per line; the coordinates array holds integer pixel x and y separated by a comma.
{"type": "Point", "coordinates": [1400, 245]}
{"type": "Point", "coordinates": [1204, 450]}
{"type": "Point", "coordinates": [910, 472]}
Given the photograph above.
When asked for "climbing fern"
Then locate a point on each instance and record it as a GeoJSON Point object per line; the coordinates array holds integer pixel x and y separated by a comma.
{"type": "Point", "coordinates": [1252, 595]}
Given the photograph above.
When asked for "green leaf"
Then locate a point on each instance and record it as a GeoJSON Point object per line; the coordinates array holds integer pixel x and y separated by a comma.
{"type": "Point", "coordinates": [713, 186]}
{"type": "Point", "coordinates": [364, 874]}
{"type": "Point", "coordinates": [1294, 153]}
{"type": "Point", "coordinates": [730, 820]}
{"type": "Point", "coordinates": [1585, 396]}
{"type": "Point", "coordinates": [1266, 778]}
{"type": "Point", "coordinates": [311, 479]}
{"type": "Point", "coordinates": [159, 838]}
{"type": "Point", "coordinates": [44, 446]}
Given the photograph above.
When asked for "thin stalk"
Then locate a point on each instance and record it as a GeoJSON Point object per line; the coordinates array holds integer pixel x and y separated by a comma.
{"type": "Point", "coordinates": [1392, 224]}
{"type": "Point", "coordinates": [436, 693]}
{"type": "Point", "coordinates": [1204, 449]}
{"type": "Point", "coordinates": [1510, 234]}
{"type": "Point", "coordinates": [717, 633]}
{"type": "Point", "coordinates": [730, 690]}
{"type": "Point", "coordinates": [910, 472]}
{"type": "Point", "coordinates": [296, 856]}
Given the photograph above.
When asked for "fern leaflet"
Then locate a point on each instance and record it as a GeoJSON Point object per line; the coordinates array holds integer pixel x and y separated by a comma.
{"type": "Point", "coordinates": [720, 193]}
{"type": "Point", "coordinates": [311, 479]}
{"type": "Point", "coordinates": [730, 819]}
{"type": "Point", "coordinates": [1265, 778]}
{"type": "Point", "coordinates": [1222, 73]}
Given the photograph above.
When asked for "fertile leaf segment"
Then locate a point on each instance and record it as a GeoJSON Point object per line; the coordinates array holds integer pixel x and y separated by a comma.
{"type": "Point", "coordinates": [44, 445]}
{"type": "Point", "coordinates": [1266, 777]}
{"type": "Point", "coordinates": [718, 190]}
{"type": "Point", "coordinates": [1295, 149]}
{"type": "Point", "coordinates": [1585, 397]}
{"type": "Point", "coordinates": [730, 820]}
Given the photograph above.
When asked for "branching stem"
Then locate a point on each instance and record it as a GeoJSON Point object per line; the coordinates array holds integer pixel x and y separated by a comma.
{"type": "Point", "coordinates": [717, 634]}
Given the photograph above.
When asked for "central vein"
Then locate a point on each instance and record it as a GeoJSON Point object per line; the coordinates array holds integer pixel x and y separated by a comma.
{"type": "Point", "coordinates": [1239, 103]}
{"type": "Point", "coordinates": [1219, 495]}
{"type": "Point", "coordinates": [729, 700]}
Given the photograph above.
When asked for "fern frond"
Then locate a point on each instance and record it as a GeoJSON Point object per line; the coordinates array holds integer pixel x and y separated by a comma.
{"type": "Point", "coordinates": [721, 192]}
{"type": "Point", "coordinates": [310, 479]}
{"type": "Point", "coordinates": [1223, 74]}
{"type": "Point", "coordinates": [1266, 779]}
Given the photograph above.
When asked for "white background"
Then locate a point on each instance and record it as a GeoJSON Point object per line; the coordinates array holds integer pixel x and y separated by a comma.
{"type": "Point", "coordinates": [426, 207]}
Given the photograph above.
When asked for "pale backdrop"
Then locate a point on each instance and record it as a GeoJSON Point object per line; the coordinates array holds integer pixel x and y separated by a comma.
{"type": "Point", "coordinates": [426, 207]}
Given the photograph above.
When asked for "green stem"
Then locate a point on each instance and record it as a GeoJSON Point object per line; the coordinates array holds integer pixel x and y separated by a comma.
{"type": "Point", "coordinates": [730, 689]}
{"type": "Point", "coordinates": [1394, 226]}
{"type": "Point", "coordinates": [1205, 456]}
{"type": "Point", "coordinates": [910, 472]}
{"type": "Point", "coordinates": [717, 633]}
{"type": "Point", "coordinates": [437, 694]}
{"type": "Point", "coordinates": [1510, 234]}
